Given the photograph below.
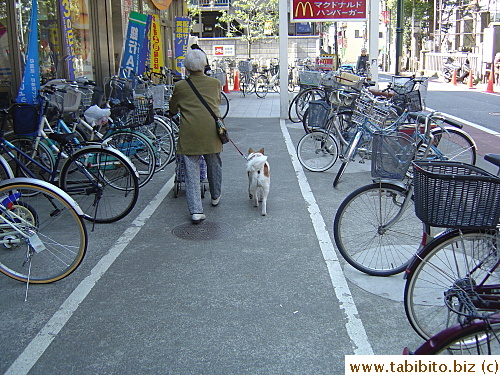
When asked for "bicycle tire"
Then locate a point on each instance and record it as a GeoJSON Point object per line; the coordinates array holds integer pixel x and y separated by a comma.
{"type": "Point", "coordinates": [161, 135]}
{"type": "Point", "coordinates": [47, 214]}
{"type": "Point", "coordinates": [5, 170]}
{"type": "Point", "coordinates": [261, 86]}
{"type": "Point", "coordinates": [291, 110]}
{"type": "Point", "coordinates": [455, 145]}
{"type": "Point", "coordinates": [361, 238]}
{"type": "Point", "coordinates": [351, 149]}
{"type": "Point", "coordinates": [317, 151]}
{"type": "Point", "coordinates": [102, 181]}
{"type": "Point", "coordinates": [304, 97]}
{"type": "Point", "coordinates": [440, 265]}
{"type": "Point", "coordinates": [138, 148]}
{"type": "Point", "coordinates": [224, 105]}
{"type": "Point", "coordinates": [479, 337]}
{"type": "Point", "coordinates": [42, 153]}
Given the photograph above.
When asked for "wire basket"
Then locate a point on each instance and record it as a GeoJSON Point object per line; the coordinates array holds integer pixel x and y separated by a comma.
{"type": "Point", "coordinates": [392, 154]}
{"type": "Point", "coordinates": [402, 85]}
{"type": "Point", "coordinates": [69, 101]}
{"type": "Point", "coordinates": [411, 101]}
{"type": "Point", "coordinates": [362, 108]}
{"type": "Point", "coordinates": [142, 114]}
{"type": "Point", "coordinates": [310, 78]}
{"type": "Point", "coordinates": [245, 66]}
{"type": "Point", "coordinates": [317, 113]}
{"type": "Point", "coordinates": [220, 75]}
{"type": "Point", "coordinates": [456, 195]}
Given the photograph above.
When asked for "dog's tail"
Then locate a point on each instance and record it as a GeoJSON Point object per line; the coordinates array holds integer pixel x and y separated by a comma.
{"type": "Point", "coordinates": [257, 163]}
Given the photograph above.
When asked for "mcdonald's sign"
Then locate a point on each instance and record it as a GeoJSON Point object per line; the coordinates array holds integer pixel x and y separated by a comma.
{"type": "Point", "coordinates": [327, 10]}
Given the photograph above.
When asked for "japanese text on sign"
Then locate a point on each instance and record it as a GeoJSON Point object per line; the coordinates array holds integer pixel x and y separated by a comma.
{"type": "Point", "coordinates": [311, 10]}
{"type": "Point", "coordinates": [181, 41]}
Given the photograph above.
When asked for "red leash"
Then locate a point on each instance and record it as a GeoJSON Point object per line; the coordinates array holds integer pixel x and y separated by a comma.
{"type": "Point", "coordinates": [241, 153]}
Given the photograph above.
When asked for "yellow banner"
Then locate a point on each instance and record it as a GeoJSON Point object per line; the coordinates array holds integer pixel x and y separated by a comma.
{"type": "Point", "coordinates": [156, 58]}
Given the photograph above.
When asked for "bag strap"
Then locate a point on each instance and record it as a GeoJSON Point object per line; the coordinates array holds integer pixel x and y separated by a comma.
{"type": "Point", "coordinates": [201, 99]}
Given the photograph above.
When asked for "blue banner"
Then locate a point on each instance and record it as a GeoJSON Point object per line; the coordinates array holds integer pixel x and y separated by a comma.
{"type": "Point", "coordinates": [68, 36]}
{"type": "Point", "coordinates": [132, 47]}
{"type": "Point", "coordinates": [144, 56]}
{"type": "Point", "coordinates": [28, 92]}
{"type": "Point", "coordinates": [181, 41]}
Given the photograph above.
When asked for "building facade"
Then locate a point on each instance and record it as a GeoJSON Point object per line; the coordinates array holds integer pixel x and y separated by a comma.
{"type": "Point", "coordinates": [92, 31]}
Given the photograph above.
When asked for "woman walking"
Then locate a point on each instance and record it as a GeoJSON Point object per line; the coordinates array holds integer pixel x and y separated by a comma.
{"type": "Point", "coordinates": [197, 132]}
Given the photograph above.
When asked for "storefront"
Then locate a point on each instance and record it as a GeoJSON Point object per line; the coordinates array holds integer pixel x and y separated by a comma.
{"type": "Point", "coordinates": [75, 37]}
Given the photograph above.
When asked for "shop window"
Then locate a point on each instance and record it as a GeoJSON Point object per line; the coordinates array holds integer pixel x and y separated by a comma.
{"type": "Point", "coordinates": [5, 68]}
{"type": "Point", "coordinates": [82, 39]}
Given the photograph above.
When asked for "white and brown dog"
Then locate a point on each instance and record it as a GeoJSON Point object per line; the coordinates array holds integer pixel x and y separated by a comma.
{"type": "Point", "coordinates": [259, 178]}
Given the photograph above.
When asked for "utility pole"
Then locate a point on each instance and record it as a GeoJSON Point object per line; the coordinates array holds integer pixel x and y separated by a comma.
{"type": "Point", "coordinates": [399, 35]}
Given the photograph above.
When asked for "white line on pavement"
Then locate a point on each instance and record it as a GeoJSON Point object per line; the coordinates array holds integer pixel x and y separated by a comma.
{"type": "Point", "coordinates": [35, 349]}
{"type": "Point", "coordinates": [354, 325]}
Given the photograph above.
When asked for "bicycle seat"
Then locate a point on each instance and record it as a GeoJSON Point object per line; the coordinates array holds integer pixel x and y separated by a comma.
{"type": "Point", "coordinates": [493, 158]}
{"type": "Point", "coordinates": [62, 138]}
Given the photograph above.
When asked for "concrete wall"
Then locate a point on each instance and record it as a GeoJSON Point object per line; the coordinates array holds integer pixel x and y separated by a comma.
{"type": "Point", "coordinates": [299, 47]}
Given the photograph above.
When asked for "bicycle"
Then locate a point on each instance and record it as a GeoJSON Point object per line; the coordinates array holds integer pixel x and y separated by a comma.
{"type": "Point", "coordinates": [43, 234]}
{"type": "Point", "coordinates": [247, 82]}
{"type": "Point", "coordinates": [99, 178]}
{"type": "Point", "coordinates": [269, 80]}
{"type": "Point", "coordinates": [387, 231]}
{"type": "Point", "coordinates": [462, 262]}
{"type": "Point", "coordinates": [450, 143]}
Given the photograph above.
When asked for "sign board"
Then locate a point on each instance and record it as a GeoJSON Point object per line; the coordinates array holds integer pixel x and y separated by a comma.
{"type": "Point", "coordinates": [132, 47]}
{"type": "Point", "coordinates": [325, 62]}
{"type": "Point", "coordinates": [327, 10]}
{"type": "Point", "coordinates": [224, 50]}
{"type": "Point", "coordinates": [181, 42]}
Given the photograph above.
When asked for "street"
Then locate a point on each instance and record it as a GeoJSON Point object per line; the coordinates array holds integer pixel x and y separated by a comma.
{"type": "Point", "coordinates": [266, 295]}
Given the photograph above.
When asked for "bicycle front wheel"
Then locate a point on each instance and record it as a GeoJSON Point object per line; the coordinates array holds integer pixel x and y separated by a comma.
{"type": "Point", "coordinates": [102, 181]}
{"type": "Point", "coordinates": [43, 237]}
{"type": "Point", "coordinates": [454, 261]}
{"type": "Point", "coordinates": [304, 97]}
{"type": "Point", "coordinates": [453, 144]}
{"type": "Point", "coordinates": [367, 234]}
{"type": "Point", "coordinates": [161, 135]}
{"type": "Point", "coordinates": [224, 105]}
{"type": "Point", "coordinates": [317, 151]}
{"type": "Point", "coordinates": [261, 86]}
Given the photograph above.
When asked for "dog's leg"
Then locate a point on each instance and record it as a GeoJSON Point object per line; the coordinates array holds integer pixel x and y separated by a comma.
{"type": "Point", "coordinates": [249, 186]}
{"type": "Point", "coordinates": [264, 202]}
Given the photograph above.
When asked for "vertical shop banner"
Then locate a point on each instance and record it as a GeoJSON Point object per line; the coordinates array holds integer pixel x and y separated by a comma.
{"type": "Point", "coordinates": [156, 50]}
{"type": "Point", "coordinates": [28, 92]}
{"type": "Point", "coordinates": [133, 44]}
{"type": "Point", "coordinates": [181, 41]}
{"type": "Point", "coordinates": [68, 36]}
{"type": "Point", "coordinates": [327, 10]}
{"type": "Point", "coordinates": [145, 54]}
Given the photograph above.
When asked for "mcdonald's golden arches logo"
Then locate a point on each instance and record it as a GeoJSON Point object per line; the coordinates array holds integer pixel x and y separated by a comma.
{"type": "Point", "coordinates": [307, 10]}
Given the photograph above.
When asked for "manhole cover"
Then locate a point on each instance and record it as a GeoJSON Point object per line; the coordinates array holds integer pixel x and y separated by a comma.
{"type": "Point", "coordinates": [206, 230]}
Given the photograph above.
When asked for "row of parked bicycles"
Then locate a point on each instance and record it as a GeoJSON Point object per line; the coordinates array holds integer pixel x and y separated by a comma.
{"type": "Point", "coordinates": [429, 211]}
{"type": "Point", "coordinates": [81, 154]}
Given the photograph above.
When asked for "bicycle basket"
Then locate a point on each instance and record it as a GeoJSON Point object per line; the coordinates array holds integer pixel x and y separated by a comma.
{"type": "Point", "coordinates": [455, 195]}
{"type": "Point", "coordinates": [26, 118]}
{"type": "Point", "coordinates": [317, 113]}
{"type": "Point", "coordinates": [402, 85]}
{"type": "Point", "coordinates": [410, 101]}
{"type": "Point", "coordinates": [310, 78]}
{"type": "Point", "coordinates": [392, 154]}
{"type": "Point", "coordinates": [142, 114]}
{"type": "Point", "coordinates": [245, 66]}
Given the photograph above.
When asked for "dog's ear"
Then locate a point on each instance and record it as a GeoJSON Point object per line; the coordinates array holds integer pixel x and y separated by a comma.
{"type": "Point", "coordinates": [250, 150]}
{"type": "Point", "coordinates": [262, 150]}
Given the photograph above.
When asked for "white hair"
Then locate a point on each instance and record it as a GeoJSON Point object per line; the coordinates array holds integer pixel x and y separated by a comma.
{"type": "Point", "coordinates": [195, 60]}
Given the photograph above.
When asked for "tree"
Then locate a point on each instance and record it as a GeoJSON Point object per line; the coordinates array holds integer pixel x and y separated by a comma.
{"type": "Point", "coordinates": [253, 20]}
